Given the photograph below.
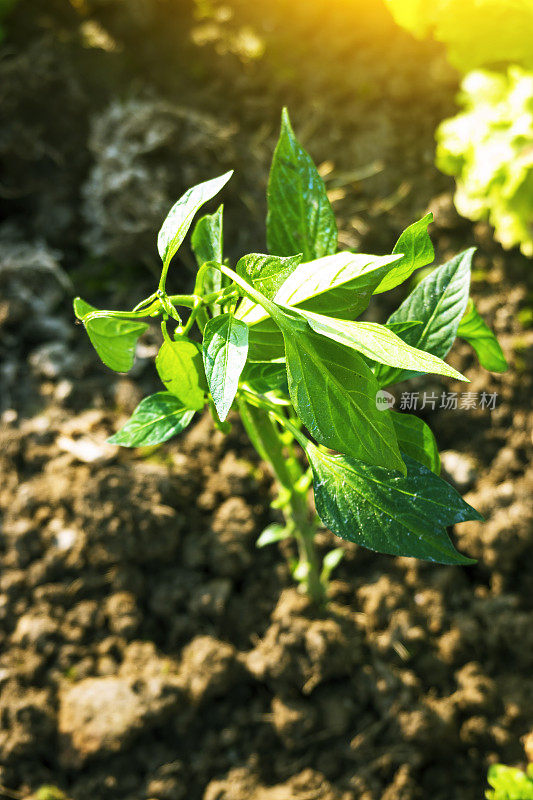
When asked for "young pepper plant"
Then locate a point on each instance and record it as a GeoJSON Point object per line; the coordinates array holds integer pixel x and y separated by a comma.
{"type": "Point", "coordinates": [281, 344]}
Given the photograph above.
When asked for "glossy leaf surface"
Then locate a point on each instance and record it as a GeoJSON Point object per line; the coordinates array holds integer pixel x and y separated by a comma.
{"type": "Point", "coordinates": [207, 242]}
{"type": "Point", "coordinates": [180, 216]}
{"type": "Point", "coordinates": [439, 302]}
{"type": "Point", "coordinates": [155, 420]}
{"type": "Point", "coordinates": [416, 439]}
{"type": "Point", "coordinates": [266, 376]}
{"type": "Point", "coordinates": [340, 285]}
{"type": "Point", "coordinates": [417, 251]}
{"type": "Point", "coordinates": [474, 330]}
{"type": "Point", "coordinates": [207, 238]}
{"type": "Point", "coordinates": [267, 273]}
{"type": "Point", "coordinates": [300, 218]}
{"type": "Point", "coordinates": [399, 515]}
{"type": "Point", "coordinates": [334, 394]}
{"type": "Point", "coordinates": [225, 348]}
{"type": "Point", "coordinates": [379, 343]}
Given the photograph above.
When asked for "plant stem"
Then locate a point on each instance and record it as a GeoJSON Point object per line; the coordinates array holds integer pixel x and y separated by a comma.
{"type": "Point", "coordinates": [192, 316]}
{"type": "Point", "coordinates": [304, 532]}
{"type": "Point", "coordinates": [145, 312]}
{"type": "Point", "coordinates": [187, 300]}
{"type": "Point", "coordinates": [164, 331]}
{"type": "Point", "coordinates": [270, 307]}
{"type": "Point", "coordinates": [202, 318]}
{"type": "Point", "coordinates": [163, 279]}
{"type": "Point", "coordinates": [265, 437]}
{"type": "Point", "coordinates": [146, 302]}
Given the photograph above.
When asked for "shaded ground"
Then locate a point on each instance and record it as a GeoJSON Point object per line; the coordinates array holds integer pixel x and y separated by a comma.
{"type": "Point", "coordinates": [148, 651]}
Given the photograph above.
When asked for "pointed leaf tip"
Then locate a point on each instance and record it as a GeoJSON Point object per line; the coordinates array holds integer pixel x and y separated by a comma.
{"type": "Point", "coordinates": [180, 216]}
{"type": "Point", "coordinates": [403, 516]}
{"type": "Point", "coordinates": [300, 218]}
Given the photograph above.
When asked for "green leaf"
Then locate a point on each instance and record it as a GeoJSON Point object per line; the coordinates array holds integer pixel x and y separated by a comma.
{"type": "Point", "coordinates": [300, 218]}
{"type": "Point", "coordinates": [272, 534]}
{"type": "Point", "coordinates": [417, 251]}
{"type": "Point", "coordinates": [225, 349]}
{"type": "Point", "coordinates": [115, 340]}
{"type": "Point", "coordinates": [439, 302]}
{"type": "Point", "coordinates": [207, 242]}
{"type": "Point", "coordinates": [265, 342]}
{"type": "Point", "coordinates": [399, 515]}
{"type": "Point", "coordinates": [400, 327]}
{"type": "Point", "coordinates": [341, 284]}
{"type": "Point", "coordinates": [155, 420]}
{"type": "Point", "coordinates": [180, 367]}
{"type": "Point", "coordinates": [477, 333]}
{"type": "Point", "coordinates": [266, 439]}
{"type": "Point", "coordinates": [416, 440]}
{"type": "Point", "coordinates": [207, 238]}
{"type": "Point", "coordinates": [81, 308]}
{"type": "Point", "coordinates": [267, 273]}
{"type": "Point", "coordinates": [331, 562]}
{"type": "Point", "coordinates": [334, 394]}
{"type": "Point", "coordinates": [510, 783]}
{"type": "Point", "coordinates": [332, 389]}
{"type": "Point", "coordinates": [180, 216]}
{"type": "Point", "coordinates": [379, 343]}
{"type": "Point", "coordinates": [266, 376]}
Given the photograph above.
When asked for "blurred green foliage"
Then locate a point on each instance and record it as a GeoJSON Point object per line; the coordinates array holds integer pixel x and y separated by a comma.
{"type": "Point", "coordinates": [510, 784]}
{"type": "Point", "coordinates": [489, 149]}
{"type": "Point", "coordinates": [477, 33]}
{"type": "Point", "coordinates": [50, 793]}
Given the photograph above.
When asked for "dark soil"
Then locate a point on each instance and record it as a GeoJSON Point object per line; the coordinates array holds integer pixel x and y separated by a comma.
{"type": "Point", "coordinates": [148, 650]}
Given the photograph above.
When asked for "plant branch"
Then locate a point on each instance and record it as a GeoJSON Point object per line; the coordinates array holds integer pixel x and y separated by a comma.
{"type": "Point", "coordinates": [261, 426]}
